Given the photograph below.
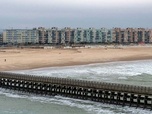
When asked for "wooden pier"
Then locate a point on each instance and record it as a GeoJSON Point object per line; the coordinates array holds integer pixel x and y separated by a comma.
{"type": "Point", "coordinates": [112, 93]}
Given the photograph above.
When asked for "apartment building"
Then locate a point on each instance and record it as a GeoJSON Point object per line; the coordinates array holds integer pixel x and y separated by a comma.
{"type": "Point", "coordinates": [141, 34]}
{"type": "Point", "coordinates": [109, 36]}
{"type": "Point", "coordinates": [60, 36]}
{"type": "Point", "coordinates": [102, 35]}
{"type": "Point", "coordinates": [117, 35]}
{"type": "Point", "coordinates": [98, 36]}
{"type": "Point", "coordinates": [1, 38]}
{"type": "Point", "coordinates": [67, 35]}
{"type": "Point", "coordinates": [78, 35]}
{"type": "Point", "coordinates": [89, 35]}
{"type": "Point", "coordinates": [132, 35]}
{"type": "Point", "coordinates": [106, 35]}
{"type": "Point", "coordinates": [43, 38]}
{"type": "Point", "coordinates": [149, 36]}
{"type": "Point", "coordinates": [19, 36]}
{"type": "Point", "coordinates": [53, 35]}
{"type": "Point", "coordinates": [129, 32]}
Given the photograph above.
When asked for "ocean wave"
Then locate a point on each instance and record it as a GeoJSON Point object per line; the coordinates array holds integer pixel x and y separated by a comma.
{"type": "Point", "coordinates": [130, 72]}
{"type": "Point", "coordinates": [117, 68]}
{"type": "Point", "coordinates": [89, 106]}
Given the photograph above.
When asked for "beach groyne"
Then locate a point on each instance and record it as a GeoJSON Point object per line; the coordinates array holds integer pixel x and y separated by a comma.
{"type": "Point", "coordinates": [112, 93]}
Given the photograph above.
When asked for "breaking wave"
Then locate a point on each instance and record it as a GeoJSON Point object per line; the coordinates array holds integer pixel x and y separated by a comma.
{"type": "Point", "coordinates": [89, 106]}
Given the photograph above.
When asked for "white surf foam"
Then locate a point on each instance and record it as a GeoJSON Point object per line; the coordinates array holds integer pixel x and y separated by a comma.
{"type": "Point", "coordinates": [97, 72]}
{"type": "Point", "coordinates": [89, 106]}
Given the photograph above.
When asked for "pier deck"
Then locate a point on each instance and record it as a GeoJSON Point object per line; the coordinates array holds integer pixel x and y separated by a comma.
{"type": "Point", "coordinates": [112, 93]}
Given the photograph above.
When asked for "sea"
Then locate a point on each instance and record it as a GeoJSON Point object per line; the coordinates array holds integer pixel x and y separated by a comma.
{"type": "Point", "coordinates": [126, 72]}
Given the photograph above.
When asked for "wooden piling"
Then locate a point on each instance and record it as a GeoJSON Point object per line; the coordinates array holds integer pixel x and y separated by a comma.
{"type": "Point", "coordinates": [119, 94]}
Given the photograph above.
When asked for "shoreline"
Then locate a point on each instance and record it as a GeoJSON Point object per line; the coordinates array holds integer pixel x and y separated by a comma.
{"type": "Point", "coordinates": [74, 64]}
{"type": "Point", "coordinates": [24, 59]}
{"type": "Point", "coordinates": [89, 64]}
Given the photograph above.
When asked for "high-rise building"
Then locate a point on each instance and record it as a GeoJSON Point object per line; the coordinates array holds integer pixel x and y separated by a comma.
{"type": "Point", "coordinates": [78, 35]}
{"type": "Point", "coordinates": [109, 35]}
{"type": "Point", "coordinates": [43, 38]}
{"type": "Point", "coordinates": [141, 35]}
{"type": "Point", "coordinates": [131, 35]}
{"type": "Point", "coordinates": [117, 35]}
{"type": "Point", "coordinates": [53, 35]}
{"type": "Point", "coordinates": [106, 35]}
{"type": "Point", "coordinates": [149, 36]}
{"type": "Point", "coordinates": [17, 36]}
{"type": "Point", "coordinates": [89, 35]}
{"type": "Point", "coordinates": [67, 36]}
{"type": "Point", "coordinates": [1, 38]}
{"type": "Point", "coordinates": [98, 36]}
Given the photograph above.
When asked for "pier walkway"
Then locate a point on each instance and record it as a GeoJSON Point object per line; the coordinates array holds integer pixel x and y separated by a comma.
{"type": "Point", "coordinates": [112, 93]}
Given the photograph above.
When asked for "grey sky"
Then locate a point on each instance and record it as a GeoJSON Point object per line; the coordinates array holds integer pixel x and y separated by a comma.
{"type": "Point", "coordinates": [75, 13]}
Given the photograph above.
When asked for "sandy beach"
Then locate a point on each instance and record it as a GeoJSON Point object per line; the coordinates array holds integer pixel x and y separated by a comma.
{"type": "Point", "coordinates": [19, 59]}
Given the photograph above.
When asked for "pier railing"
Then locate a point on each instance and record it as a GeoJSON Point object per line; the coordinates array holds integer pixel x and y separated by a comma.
{"type": "Point", "coordinates": [120, 94]}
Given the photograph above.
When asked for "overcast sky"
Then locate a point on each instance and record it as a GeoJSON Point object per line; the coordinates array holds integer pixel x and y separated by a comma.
{"type": "Point", "coordinates": [75, 13]}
